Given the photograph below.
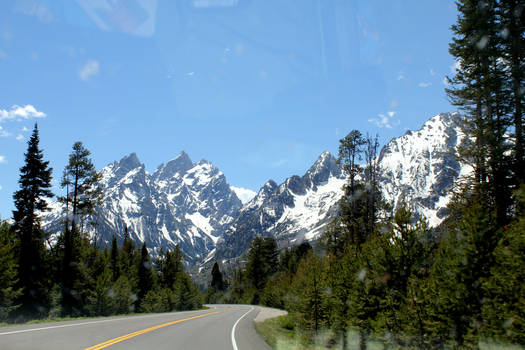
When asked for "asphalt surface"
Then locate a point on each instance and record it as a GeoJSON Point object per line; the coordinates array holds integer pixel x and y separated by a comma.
{"type": "Point", "coordinates": [203, 329]}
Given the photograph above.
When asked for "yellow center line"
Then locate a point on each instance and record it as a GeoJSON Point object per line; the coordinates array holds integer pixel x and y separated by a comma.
{"type": "Point", "coordinates": [143, 331]}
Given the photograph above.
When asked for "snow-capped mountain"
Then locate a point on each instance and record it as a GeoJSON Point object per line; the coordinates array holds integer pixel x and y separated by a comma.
{"type": "Point", "coordinates": [418, 169]}
{"type": "Point", "coordinates": [192, 204]}
{"type": "Point", "coordinates": [292, 212]}
{"type": "Point", "coordinates": [180, 203]}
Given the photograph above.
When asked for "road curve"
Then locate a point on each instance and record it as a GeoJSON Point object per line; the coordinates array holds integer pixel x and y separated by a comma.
{"type": "Point", "coordinates": [222, 327]}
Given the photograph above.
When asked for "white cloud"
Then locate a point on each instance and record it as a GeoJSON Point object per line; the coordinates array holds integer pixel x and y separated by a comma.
{"type": "Point", "coordinates": [20, 137]}
{"type": "Point", "coordinates": [0, 188]}
{"type": "Point", "coordinates": [432, 72]}
{"type": "Point", "coordinates": [19, 113]}
{"type": "Point", "coordinates": [385, 120]}
{"type": "Point", "coordinates": [24, 129]}
{"type": "Point", "coordinates": [424, 84]}
{"type": "Point", "coordinates": [244, 194]}
{"type": "Point", "coordinates": [3, 160]}
{"type": "Point", "coordinates": [446, 82]}
{"type": "Point", "coordinates": [4, 133]}
{"type": "Point", "coordinates": [88, 70]}
{"type": "Point", "coordinates": [400, 76]}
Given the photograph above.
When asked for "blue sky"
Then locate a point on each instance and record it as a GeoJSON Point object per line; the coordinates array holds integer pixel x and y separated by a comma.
{"type": "Point", "coordinates": [258, 87]}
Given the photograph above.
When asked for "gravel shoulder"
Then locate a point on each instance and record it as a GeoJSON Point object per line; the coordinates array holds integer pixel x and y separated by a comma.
{"type": "Point", "coordinates": [268, 312]}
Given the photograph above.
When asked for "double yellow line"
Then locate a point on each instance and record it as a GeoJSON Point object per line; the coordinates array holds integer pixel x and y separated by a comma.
{"type": "Point", "coordinates": [143, 331]}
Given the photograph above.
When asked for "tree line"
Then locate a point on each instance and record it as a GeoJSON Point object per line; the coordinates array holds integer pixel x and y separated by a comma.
{"type": "Point", "coordinates": [383, 278]}
{"type": "Point", "coordinates": [68, 275]}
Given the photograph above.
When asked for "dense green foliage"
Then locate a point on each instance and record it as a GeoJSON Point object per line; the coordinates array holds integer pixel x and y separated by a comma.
{"type": "Point", "coordinates": [386, 279]}
{"type": "Point", "coordinates": [68, 274]}
{"type": "Point", "coordinates": [30, 199]}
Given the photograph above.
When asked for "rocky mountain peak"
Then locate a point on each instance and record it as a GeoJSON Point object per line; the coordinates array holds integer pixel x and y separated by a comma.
{"type": "Point", "coordinates": [324, 167]}
{"type": "Point", "coordinates": [268, 187]}
{"type": "Point", "coordinates": [130, 162]}
{"type": "Point", "coordinates": [421, 166]}
{"type": "Point", "coordinates": [182, 203]}
{"type": "Point", "coordinates": [120, 169]}
{"type": "Point", "coordinates": [178, 165]}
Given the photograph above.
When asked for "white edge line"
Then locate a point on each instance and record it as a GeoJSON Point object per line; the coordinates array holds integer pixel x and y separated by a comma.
{"type": "Point", "coordinates": [234, 343]}
{"type": "Point", "coordinates": [90, 322]}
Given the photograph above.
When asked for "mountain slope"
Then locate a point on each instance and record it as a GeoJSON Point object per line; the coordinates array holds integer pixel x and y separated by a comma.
{"type": "Point", "coordinates": [296, 210]}
{"type": "Point", "coordinates": [418, 168]}
{"type": "Point", "coordinates": [180, 203]}
{"type": "Point", "coordinates": [192, 204]}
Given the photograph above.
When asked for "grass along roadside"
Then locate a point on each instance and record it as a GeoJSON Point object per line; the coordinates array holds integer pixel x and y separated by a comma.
{"type": "Point", "coordinates": [281, 334]}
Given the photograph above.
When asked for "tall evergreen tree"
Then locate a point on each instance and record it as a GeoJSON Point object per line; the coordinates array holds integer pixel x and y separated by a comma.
{"type": "Point", "coordinates": [145, 274]}
{"type": "Point", "coordinates": [113, 254]}
{"type": "Point", "coordinates": [349, 226]}
{"type": "Point", "coordinates": [480, 89]}
{"type": "Point", "coordinates": [217, 282]}
{"type": "Point", "coordinates": [310, 286]}
{"type": "Point", "coordinates": [263, 261]}
{"type": "Point", "coordinates": [30, 200]}
{"type": "Point", "coordinates": [83, 195]}
{"type": "Point", "coordinates": [8, 272]}
{"type": "Point", "coordinates": [512, 18]}
{"type": "Point", "coordinates": [503, 309]}
{"type": "Point", "coordinates": [170, 265]}
{"type": "Point", "coordinates": [350, 151]}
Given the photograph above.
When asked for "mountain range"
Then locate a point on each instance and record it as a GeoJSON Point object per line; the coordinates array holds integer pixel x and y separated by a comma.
{"type": "Point", "coordinates": [192, 204]}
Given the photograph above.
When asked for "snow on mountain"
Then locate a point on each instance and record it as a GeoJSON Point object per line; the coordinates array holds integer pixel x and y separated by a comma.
{"type": "Point", "coordinates": [296, 210]}
{"type": "Point", "coordinates": [180, 203]}
{"type": "Point", "coordinates": [418, 168]}
{"type": "Point", "coordinates": [191, 204]}
{"type": "Point", "coordinates": [244, 194]}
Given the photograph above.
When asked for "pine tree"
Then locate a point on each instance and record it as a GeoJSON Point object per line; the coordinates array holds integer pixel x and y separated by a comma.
{"type": "Point", "coordinates": [217, 283]}
{"type": "Point", "coordinates": [360, 204]}
{"type": "Point", "coordinates": [513, 47]}
{"type": "Point", "coordinates": [85, 194]}
{"type": "Point", "coordinates": [145, 274]}
{"type": "Point", "coordinates": [310, 285]}
{"type": "Point", "coordinates": [127, 257]}
{"type": "Point", "coordinates": [8, 272]}
{"type": "Point", "coordinates": [262, 262]}
{"type": "Point", "coordinates": [407, 256]}
{"type": "Point", "coordinates": [170, 265]}
{"type": "Point", "coordinates": [350, 150]}
{"type": "Point", "coordinates": [81, 175]}
{"type": "Point", "coordinates": [114, 253]}
{"type": "Point", "coordinates": [255, 268]}
{"type": "Point", "coordinates": [463, 262]}
{"type": "Point", "coordinates": [480, 89]}
{"type": "Point", "coordinates": [30, 200]}
{"type": "Point", "coordinates": [503, 310]}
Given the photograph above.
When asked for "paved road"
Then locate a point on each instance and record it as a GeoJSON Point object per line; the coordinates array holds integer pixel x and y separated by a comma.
{"type": "Point", "coordinates": [222, 327]}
